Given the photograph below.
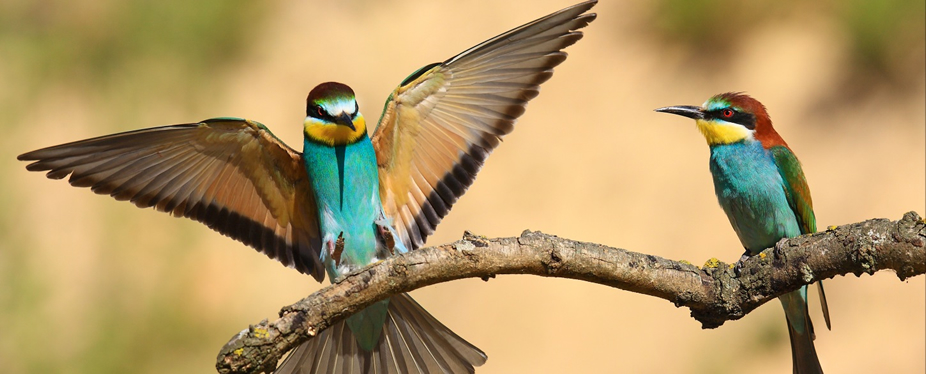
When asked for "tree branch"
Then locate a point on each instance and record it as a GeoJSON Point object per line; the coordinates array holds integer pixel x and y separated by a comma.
{"type": "Point", "coordinates": [715, 293]}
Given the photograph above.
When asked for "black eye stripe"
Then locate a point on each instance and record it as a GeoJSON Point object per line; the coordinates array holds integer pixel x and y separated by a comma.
{"type": "Point", "coordinates": [315, 111]}
{"type": "Point", "coordinates": [746, 119]}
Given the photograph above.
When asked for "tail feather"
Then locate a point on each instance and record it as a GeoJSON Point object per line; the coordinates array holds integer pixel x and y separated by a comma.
{"type": "Point", "coordinates": [803, 353]}
{"type": "Point", "coordinates": [440, 348]}
{"type": "Point", "coordinates": [800, 330]}
{"type": "Point", "coordinates": [824, 305]}
{"type": "Point", "coordinates": [391, 359]}
{"type": "Point", "coordinates": [412, 342]}
{"type": "Point", "coordinates": [348, 349]}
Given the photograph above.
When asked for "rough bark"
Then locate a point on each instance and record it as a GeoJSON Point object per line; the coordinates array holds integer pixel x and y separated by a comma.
{"type": "Point", "coordinates": [715, 293]}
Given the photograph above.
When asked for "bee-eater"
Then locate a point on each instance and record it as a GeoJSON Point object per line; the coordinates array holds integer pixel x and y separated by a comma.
{"type": "Point", "coordinates": [761, 187]}
{"type": "Point", "coordinates": [348, 199]}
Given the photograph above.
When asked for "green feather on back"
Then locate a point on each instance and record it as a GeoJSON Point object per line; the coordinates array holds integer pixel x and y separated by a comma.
{"type": "Point", "coordinates": [796, 188]}
{"type": "Point", "coordinates": [798, 194]}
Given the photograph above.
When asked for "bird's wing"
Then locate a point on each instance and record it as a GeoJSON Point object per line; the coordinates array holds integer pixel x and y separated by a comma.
{"type": "Point", "coordinates": [231, 174]}
{"type": "Point", "coordinates": [795, 188]}
{"type": "Point", "coordinates": [440, 124]}
{"type": "Point", "coordinates": [798, 194]}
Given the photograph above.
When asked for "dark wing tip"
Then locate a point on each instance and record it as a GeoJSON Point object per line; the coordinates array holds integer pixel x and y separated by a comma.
{"type": "Point", "coordinates": [494, 81]}
{"type": "Point", "coordinates": [447, 191]}
{"type": "Point", "coordinates": [124, 167]}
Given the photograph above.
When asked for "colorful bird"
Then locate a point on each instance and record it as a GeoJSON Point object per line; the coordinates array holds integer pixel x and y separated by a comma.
{"type": "Point", "coordinates": [348, 199]}
{"type": "Point", "coordinates": [761, 187]}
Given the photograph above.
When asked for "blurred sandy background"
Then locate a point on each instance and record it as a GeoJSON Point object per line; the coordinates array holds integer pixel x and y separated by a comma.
{"type": "Point", "coordinates": [88, 285]}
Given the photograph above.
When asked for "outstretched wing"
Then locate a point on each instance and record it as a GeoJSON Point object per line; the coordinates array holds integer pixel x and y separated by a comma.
{"type": "Point", "coordinates": [441, 123]}
{"type": "Point", "coordinates": [231, 174]}
{"type": "Point", "coordinates": [798, 194]}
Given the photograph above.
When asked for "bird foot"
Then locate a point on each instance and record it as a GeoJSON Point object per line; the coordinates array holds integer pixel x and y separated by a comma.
{"type": "Point", "coordinates": [336, 248]}
{"type": "Point", "coordinates": [386, 235]}
{"type": "Point", "coordinates": [737, 269]}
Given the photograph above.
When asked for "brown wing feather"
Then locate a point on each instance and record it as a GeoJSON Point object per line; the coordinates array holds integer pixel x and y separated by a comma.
{"type": "Point", "coordinates": [442, 122]}
{"type": "Point", "coordinates": [232, 175]}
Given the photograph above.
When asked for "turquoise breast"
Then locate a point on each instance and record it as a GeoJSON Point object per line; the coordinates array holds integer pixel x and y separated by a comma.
{"type": "Point", "coordinates": [751, 192]}
{"type": "Point", "coordinates": [346, 183]}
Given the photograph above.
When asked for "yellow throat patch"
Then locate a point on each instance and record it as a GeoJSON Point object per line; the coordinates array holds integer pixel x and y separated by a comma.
{"type": "Point", "coordinates": [333, 134]}
{"type": "Point", "coordinates": [719, 132]}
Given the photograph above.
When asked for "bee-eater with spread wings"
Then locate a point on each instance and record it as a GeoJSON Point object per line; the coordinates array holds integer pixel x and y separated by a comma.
{"type": "Point", "coordinates": [349, 199]}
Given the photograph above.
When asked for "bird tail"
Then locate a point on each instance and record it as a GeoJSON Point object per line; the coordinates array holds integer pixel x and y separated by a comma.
{"type": "Point", "coordinates": [803, 353]}
{"type": "Point", "coordinates": [412, 342]}
{"type": "Point", "coordinates": [800, 330]}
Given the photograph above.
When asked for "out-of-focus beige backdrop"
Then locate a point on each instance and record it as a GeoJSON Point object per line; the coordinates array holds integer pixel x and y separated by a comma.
{"type": "Point", "coordinates": [90, 285]}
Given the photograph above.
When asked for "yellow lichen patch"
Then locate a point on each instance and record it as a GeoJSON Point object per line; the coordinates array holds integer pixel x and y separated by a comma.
{"type": "Point", "coordinates": [712, 263]}
{"type": "Point", "coordinates": [762, 255]}
{"type": "Point", "coordinates": [238, 351]}
{"type": "Point", "coordinates": [261, 333]}
{"type": "Point", "coordinates": [685, 262]}
{"type": "Point", "coordinates": [831, 228]}
{"type": "Point", "coordinates": [731, 266]}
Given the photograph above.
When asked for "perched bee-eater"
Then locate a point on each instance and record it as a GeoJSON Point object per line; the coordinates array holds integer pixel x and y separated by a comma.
{"type": "Point", "coordinates": [761, 187]}
{"type": "Point", "coordinates": [348, 199]}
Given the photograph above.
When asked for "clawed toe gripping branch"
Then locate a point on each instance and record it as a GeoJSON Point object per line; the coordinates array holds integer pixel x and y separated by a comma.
{"type": "Point", "coordinates": [715, 293]}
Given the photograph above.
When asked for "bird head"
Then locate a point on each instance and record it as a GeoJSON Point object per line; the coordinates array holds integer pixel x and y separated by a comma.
{"type": "Point", "coordinates": [333, 116]}
{"type": "Point", "coordinates": [730, 118]}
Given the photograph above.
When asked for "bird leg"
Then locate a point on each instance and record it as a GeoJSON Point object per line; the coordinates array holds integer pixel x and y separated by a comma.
{"type": "Point", "coordinates": [386, 235]}
{"type": "Point", "coordinates": [335, 248]}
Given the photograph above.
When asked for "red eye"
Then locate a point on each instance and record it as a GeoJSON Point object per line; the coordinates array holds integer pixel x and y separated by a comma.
{"type": "Point", "coordinates": [320, 111]}
{"type": "Point", "coordinates": [727, 113]}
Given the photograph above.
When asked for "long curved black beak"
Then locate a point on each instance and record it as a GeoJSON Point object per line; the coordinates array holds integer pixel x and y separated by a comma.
{"type": "Point", "coordinates": [693, 112]}
{"type": "Point", "coordinates": [344, 119]}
